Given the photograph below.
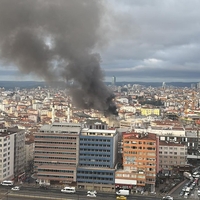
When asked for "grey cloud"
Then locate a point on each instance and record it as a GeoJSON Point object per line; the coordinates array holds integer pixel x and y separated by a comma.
{"type": "Point", "coordinates": [74, 29]}
{"type": "Point", "coordinates": [166, 30]}
{"type": "Point", "coordinates": [156, 74]}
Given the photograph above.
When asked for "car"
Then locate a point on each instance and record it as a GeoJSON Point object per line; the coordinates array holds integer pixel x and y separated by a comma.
{"type": "Point", "coordinates": [184, 188]}
{"type": "Point", "coordinates": [91, 195]}
{"type": "Point", "coordinates": [196, 176]}
{"type": "Point", "coordinates": [181, 193]}
{"type": "Point", "coordinates": [92, 192]}
{"type": "Point", "coordinates": [43, 187]}
{"type": "Point", "coordinates": [193, 183]}
{"type": "Point", "coordinates": [187, 184]}
{"type": "Point", "coordinates": [121, 198]}
{"type": "Point", "coordinates": [167, 198]}
{"type": "Point", "coordinates": [16, 188]}
{"type": "Point", "coordinates": [192, 187]}
{"type": "Point", "coordinates": [37, 181]}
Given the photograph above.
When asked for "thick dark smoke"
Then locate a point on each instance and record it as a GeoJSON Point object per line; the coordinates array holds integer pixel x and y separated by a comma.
{"type": "Point", "coordinates": [55, 39]}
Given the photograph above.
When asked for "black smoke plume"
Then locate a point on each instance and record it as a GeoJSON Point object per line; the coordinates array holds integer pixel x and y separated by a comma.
{"type": "Point", "coordinates": [54, 39]}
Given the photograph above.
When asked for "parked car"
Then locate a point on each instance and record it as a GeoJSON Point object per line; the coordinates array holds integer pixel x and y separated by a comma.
{"type": "Point", "coordinates": [186, 195]}
{"type": "Point", "coordinates": [184, 188]}
{"type": "Point", "coordinates": [16, 188]}
{"type": "Point", "coordinates": [181, 193]}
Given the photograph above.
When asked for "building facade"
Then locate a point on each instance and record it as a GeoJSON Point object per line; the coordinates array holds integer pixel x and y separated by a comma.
{"type": "Point", "coordinates": [7, 141]}
{"type": "Point", "coordinates": [29, 149]}
{"type": "Point", "coordinates": [12, 153]}
{"type": "Point", "coordinates": [140, 161]}
{"type": "Point", "coordinates": [97, 160]}
{"type": "Point", "coordinates": [19, 152]}
{"type": "Point", "coordinates": [56, 153]}
{"type": "Point", "coordinates": [171, 155]}
{"type": "Point", "coordinates": [150, 111]}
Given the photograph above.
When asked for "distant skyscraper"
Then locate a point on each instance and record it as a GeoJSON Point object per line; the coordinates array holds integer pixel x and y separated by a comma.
{"type": "Point", "coordinates": [163, 85]}
{"type": "Point", "coordinates": [193, 85]}
{"type": "Point", "coordinates": [113, 80]}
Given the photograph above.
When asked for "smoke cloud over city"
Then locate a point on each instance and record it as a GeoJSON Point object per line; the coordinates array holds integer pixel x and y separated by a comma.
{"type": "Point", "coordinates": [55, 40]}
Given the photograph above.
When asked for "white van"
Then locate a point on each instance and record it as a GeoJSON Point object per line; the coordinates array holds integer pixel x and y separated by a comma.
{"type": "Point", "coordinates": [7, 183]}
{"type": "Point", "coordinates": [68, 190]}
{"type": "Point", "coordinates": [123, 192]}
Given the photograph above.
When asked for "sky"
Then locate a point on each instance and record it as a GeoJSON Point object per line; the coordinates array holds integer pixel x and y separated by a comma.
{"type": "Point", "coordinates": [145, 40]}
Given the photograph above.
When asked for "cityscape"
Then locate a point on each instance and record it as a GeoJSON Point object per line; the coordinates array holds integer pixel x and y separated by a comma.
{"type": "Point", "coordinates": [99, 99]}
{"type": "Point", "coordinates": [150, 143]}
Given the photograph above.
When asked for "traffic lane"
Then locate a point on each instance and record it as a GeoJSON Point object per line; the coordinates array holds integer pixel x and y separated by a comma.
{"type": "Point", "coordinates": [177, 191]}
{"type": "Point", "coordinates": [57, 191]}
{"type": "Point", "coordinates": [51, 194]}
{"type": "Point", "coordinates": [36, 192]}
{"type": "Point", "coordinates": [80, 197]}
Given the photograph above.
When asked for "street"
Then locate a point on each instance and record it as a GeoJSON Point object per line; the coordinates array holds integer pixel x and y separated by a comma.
{"type": "Point", "coordinates": [55, 194]}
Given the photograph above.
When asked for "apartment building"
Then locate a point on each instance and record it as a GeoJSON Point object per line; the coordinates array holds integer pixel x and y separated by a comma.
{"type": "Point", "coordinates": [56, 153]}
{"type": "Point", "coordinates": [171, 155]}
{"type": "Point", "coordinates": [19, 152]}
{"type": "Point", "coordinates": [29, 149]}
{"type": "Point", "coordinates": [97, 160]}
{"type": "Point", "coordinates": [7, 141]}
{"type": "Point", "coordinates": [12, 153]}
{"type": "Point", "coordinates": [140, 161]}
{"type": "Point", "coordinates": [149, 111]}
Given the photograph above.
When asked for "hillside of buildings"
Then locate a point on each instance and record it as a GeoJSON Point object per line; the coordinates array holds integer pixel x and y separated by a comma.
{"type": "Point", "coordinates": [154, 137]}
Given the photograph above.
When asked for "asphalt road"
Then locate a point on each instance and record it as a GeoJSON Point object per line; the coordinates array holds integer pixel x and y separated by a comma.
{"type": "Point", "coordinates": [55, 194]}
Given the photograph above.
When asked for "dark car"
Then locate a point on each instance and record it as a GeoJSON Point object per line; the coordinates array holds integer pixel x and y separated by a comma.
{"type": "Point", "coordinates": [43, 187]}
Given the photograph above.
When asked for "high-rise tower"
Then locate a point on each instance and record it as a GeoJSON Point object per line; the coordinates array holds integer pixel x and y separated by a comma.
{"type": "Point", "coordinates": [113, 80]}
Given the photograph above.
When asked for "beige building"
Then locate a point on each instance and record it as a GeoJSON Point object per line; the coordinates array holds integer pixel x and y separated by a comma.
{"type": "Point", "coordinates": [171, 155]}
{"type": "Point", "coordinates": [29, 149]}
{"type": "Point", "coordinates": [19, 152]}
{"type": "Point", "coordinates": [56, 153]}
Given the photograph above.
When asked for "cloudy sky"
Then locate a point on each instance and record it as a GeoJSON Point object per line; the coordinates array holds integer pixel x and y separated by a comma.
{"type": "Point", "coordinates": [147, 40]}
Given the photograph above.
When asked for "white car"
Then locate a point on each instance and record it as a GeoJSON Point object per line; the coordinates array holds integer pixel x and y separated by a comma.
{"type": "Point", "coordinates": [168, 198]}
{"type": "Point", "coordinates": [16, 188]}
{"type": "Point", "coordinates": [91, 195]}
{"type": "Point", "coordinates": [92, 192]}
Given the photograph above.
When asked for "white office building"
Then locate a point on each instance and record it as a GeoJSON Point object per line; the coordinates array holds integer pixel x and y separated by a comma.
{"type": "Point", "coordinates": [7, 140]}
